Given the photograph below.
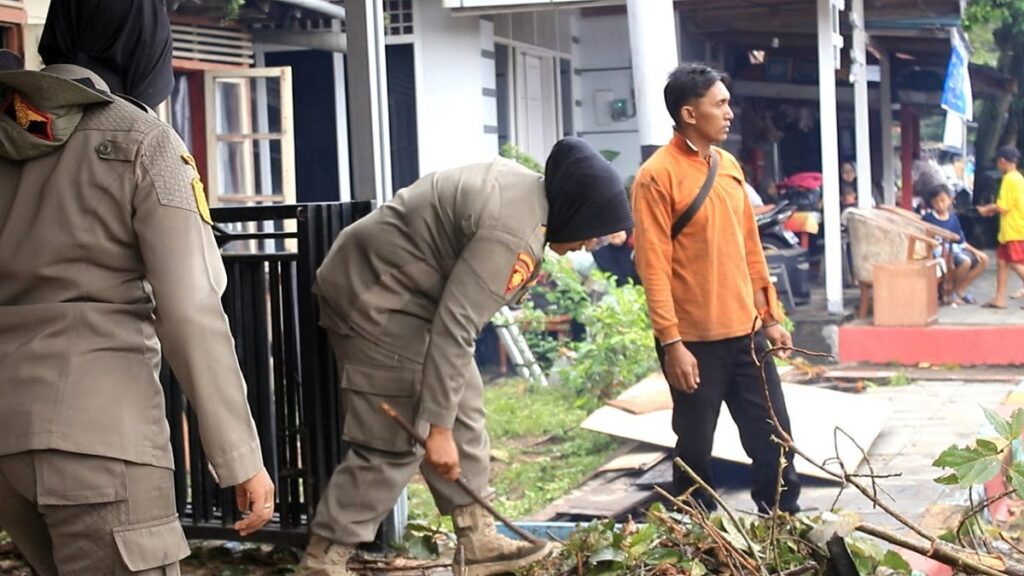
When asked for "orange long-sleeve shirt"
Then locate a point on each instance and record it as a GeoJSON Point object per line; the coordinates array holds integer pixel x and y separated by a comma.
{"type": "Point", "coordinates": [701, 286]}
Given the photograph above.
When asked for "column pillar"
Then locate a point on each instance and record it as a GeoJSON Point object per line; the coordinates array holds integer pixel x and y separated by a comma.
{"type": "Point", "coordinates": [653, 47]}
{"type": "Point", "coordinates": [368, 101]}
{"type": "Point", "coordinates": [828, 25]}
{"type": "Point", "coordinates": [885, 115]}
{"type": "Point", "coordinates": [859, 77]}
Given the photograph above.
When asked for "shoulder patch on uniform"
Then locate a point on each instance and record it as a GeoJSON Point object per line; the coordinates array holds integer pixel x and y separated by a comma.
{"type": "Point", "coordinates": [31, 119]}
{"type": "Point", "coordinates": [522, 270]}
{"type": "Point", "coordinates": [174, 173]}
{"type": "Point", "coordinates": [197, 188]}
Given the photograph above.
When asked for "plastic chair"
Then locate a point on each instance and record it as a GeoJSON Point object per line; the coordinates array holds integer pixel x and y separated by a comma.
{"type": "Point", "coordinates": [873, 241]}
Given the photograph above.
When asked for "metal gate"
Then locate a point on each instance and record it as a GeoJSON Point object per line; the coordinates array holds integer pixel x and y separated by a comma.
{"type": "Point", "coordinates": [286, 360]}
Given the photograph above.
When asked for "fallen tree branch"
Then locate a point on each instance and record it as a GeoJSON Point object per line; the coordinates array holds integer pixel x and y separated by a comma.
{"type": "Point", "coordinates": [948, 554]}
{"type": "Point", "coordinates": [935, 549]}
{"type": "Point", "coordinates": [978, 509]}
{"type": "Point", "coordinates": [722, 542]}
{"type": "Point", "coordinates": [725, 508]}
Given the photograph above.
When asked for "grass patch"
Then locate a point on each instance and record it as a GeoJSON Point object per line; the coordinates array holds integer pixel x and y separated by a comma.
{"type": "Point", "coordinates": [538, 451]}
{"type": "Point", "coordinates": [900, 378]}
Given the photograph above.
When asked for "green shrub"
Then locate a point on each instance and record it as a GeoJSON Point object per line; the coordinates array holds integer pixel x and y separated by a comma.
{"type": "Point", "coordinates": [618, 348]}
{"type": "Point", "coordinates": [512, 152]}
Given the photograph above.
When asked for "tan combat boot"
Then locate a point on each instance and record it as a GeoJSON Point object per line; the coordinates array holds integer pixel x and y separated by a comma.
{"type": "Point", "coordinates": [487, 552]}
{"type": "Point", "coordinates": [325, 558]}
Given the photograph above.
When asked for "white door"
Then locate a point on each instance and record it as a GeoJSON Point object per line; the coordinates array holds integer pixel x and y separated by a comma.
{"type": "Point", "coordinates": [536, 104]}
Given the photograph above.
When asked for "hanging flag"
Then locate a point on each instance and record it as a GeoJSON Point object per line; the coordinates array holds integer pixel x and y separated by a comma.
{"type": "Point", "coordinates": [957, 96]}
{"type": "Point", "coordinates": [953, 136]}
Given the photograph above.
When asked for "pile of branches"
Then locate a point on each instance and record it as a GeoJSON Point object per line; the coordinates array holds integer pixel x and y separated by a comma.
{"type": "Point", "coordinates": [692, 543]}
{"type": "Point", "coordinates": [680, 538]}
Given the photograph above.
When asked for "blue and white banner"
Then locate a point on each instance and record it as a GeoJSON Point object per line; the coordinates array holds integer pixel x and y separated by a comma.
{"type": "Point", "coordinates": [957, 96]}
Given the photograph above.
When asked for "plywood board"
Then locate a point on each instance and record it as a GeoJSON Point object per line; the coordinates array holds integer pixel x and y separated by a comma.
{"type": "Point", "coordinates": [607, 495]}
{"type": "Point", "coordinates": [643, 457]}
{"type": "Point", "coordinates": [815, 414]}
{"type": "Point", "coordinates": [644, 404]}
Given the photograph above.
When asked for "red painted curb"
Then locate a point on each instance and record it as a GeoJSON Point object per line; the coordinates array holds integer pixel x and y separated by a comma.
{"type": "Point", "coordinates": [926, 565]}
{"type": "Point", "coordinates": [939, 345]}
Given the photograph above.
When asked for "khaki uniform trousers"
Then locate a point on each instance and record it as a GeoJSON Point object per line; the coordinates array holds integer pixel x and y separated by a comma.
{"type": "Point", "coordinates": [382, 458]}
{"type": "Point", "coordinates": [75, 514]}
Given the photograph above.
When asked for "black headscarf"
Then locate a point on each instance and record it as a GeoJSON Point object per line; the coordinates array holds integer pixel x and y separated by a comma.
{"type": "Point", "coordinates": [586, 198]}
{"type": "Point", "coordinates": [125, 42]}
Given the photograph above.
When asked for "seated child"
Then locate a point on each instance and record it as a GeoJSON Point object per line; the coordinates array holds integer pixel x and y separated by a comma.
{"type": "Point", "coordinates": [968, 261]}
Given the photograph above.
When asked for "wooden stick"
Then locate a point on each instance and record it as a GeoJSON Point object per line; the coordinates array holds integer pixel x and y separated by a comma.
{"type": "Point", "coordinates": [725, 545]}
{"type": "Point", "coordinates": [945, 553]}
{"type": "Point", "coordinates": [725, 508]}
{"type": "Point", "coordinates": [804, 569]}
{"type": "Point", "coordinates": [460, 482]}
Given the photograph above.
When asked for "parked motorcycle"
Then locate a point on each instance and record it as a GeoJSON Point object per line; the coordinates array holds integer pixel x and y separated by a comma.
{"type": "Point", "coordinates": [771, 226]}
{"type": "Point", "coordinates": [782, 248]}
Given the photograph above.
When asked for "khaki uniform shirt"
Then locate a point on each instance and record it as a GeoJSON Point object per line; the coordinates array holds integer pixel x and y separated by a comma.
{"type": "Point", "coordinates": [424, 273]}
{"type": "Point", "coordinates": [105, 264]}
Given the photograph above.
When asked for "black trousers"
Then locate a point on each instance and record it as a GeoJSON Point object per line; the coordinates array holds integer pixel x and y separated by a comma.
{"type": "Point", "coordinates": [728, 374]}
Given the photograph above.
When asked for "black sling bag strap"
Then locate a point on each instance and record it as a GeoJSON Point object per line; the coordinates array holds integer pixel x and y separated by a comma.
{"type": "Point", "coordinates": [694, 207]}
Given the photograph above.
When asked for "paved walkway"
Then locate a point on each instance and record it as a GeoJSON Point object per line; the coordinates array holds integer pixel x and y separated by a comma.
{"type": "Point", "coordinates": [926, 418]}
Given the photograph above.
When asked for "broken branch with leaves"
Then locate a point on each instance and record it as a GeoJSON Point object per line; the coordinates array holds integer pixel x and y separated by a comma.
{"type": "Point", "coordinates": [934, 548]}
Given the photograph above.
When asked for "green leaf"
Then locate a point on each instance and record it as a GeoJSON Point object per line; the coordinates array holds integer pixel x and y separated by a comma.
{"type": "Point", "coordinates": [646, 536]}
{"type": "Point", "coordinates": [972, 465]}
{"type": "Point", "coordinates": [894, 561]}
{"type": "Point", "coordinates": [954, 456]}
{"type": "Point", "coordinates": [1017, 426]}
{"type": "Point", "coordinates": [696, 568]}
{"type": "Point", "coordinates": [979, 472]}
{"type": "Point", "coordinates": [948, 536]}
{"type": "Point", "coordinates": [1000, 424]}
{"type": "Point", "coordinates": [1016, 474]}
{"type": "Point", "coordinates": [607, 554]}
{"type": "Point", "coordinates": [950, 479]}
{"type": "Point", "coordinates": [861, 558]}
{"type": "Point", "coordinates": [660, 556]}
{"type": "Point", "coordinates": [988, 447]}
{"type": "Point", "coordinates": [422, 548]}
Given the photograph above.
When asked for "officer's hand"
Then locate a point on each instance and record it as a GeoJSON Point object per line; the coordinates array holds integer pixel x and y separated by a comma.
{"type": "Point", "coordinates": [779, 337]}
{"type": "Point", "coordinates": [681, 368]}
{"type": "Point", "coordinates": [442, 454]}
{"type": "Point", "coordinates": [255, 496]}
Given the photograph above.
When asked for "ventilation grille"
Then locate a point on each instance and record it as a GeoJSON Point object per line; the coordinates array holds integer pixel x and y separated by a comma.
{"type": "Point", "coordinates": [325, 24]}
{"type": "Point", "coordinates": [214, 45]}
{"type": "Point", "coordinates": [398, 17]}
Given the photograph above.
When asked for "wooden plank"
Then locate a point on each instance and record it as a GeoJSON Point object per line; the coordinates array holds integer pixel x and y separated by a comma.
{"type": "Point", "coordinates": [641, 457]}
{"type": "Point", "coordinates": [206, 57]}
{"type": "Point", "coordinates": [13, 15]}
{"type": "Point", "coordinates": [199, 65]}
{"type": "Point", "coordinates": [609, 495]}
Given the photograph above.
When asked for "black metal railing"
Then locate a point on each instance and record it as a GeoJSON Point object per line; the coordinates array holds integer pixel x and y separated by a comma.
{"type": "Point", "coordinates": [271, 254]}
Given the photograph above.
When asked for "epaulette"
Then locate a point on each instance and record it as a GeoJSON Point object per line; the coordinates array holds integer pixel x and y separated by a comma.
{"type": "Point", "coordinates": [138, 104]}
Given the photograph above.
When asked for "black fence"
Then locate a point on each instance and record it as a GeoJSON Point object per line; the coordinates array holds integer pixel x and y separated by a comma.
{"type": "Point", "coordinates": [271, 254]}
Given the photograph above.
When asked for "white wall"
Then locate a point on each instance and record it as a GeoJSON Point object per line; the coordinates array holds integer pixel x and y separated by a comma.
{"type": "Point", "coordinates": [449, 90]}
{"type": "Point", "coordinates": [604, 63]}
{"type": "Point", "coordinates": [36, 11]}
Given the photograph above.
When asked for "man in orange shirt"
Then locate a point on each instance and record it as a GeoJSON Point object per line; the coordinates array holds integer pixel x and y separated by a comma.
{"type": "Point", "coordinates": [699, 256]}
